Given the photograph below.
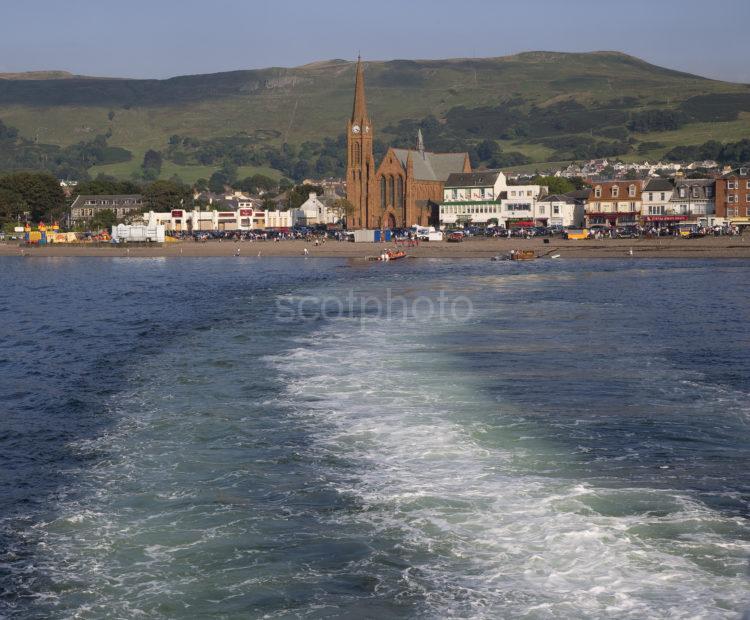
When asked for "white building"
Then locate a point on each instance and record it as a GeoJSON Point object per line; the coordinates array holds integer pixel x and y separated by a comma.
{"type": "Point", "coordinates": [279, 219]}
{"type": "Point", "coordinates": [182, 220]}
{"type": "Point", "coordinates": [655, 198]}
{"type": "Point", "coordinates": [694, 200]}
{"type": "Point", "coordinates": [472, 198]}
{"type": "Point", "coordinates": [313, 212]}
{"type": "Point", "coordinates": [521, 207]}
{"type": "Point", "coordinates": [486, 198]}
{"type": "Point", "coordinates": [559, 210]}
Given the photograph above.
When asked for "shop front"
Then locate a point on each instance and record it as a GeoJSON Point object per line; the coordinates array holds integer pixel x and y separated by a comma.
{"type": "Point", "coordinates": [663, 221]}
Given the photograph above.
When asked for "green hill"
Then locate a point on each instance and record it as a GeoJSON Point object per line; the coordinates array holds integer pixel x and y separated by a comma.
{"type": "Point", "coordinates": [542, 106]}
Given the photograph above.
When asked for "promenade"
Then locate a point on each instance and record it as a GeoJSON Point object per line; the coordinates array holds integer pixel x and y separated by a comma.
{"type": "Point", "coordinates": [483, 248]}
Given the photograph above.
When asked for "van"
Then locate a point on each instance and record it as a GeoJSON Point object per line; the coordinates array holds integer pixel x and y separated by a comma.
{"type": "Point", "coordinates": [576, 233]}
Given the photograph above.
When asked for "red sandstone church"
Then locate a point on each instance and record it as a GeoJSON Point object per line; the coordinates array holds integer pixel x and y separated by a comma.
{"type": "Point", "coordinates": [402, 191]}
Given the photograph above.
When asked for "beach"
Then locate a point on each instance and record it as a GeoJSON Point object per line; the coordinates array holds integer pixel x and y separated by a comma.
{"type": "Point", "coordinates": [665, 247]}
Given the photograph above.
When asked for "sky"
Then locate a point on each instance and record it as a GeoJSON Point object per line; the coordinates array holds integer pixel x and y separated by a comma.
{"type": "Point", "coordinates": [164, 38]}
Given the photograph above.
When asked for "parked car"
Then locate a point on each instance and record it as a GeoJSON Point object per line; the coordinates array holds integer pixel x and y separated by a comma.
{"type": "Point", "coordinates": [627, 232]}
{"type": "Point", "coordinates": [455, 237]}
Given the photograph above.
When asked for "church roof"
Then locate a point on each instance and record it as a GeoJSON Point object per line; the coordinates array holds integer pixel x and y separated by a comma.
{"type": "Point", "coordinates": [432, 166]}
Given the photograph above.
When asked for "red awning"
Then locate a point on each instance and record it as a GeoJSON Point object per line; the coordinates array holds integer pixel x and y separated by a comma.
{"type": "Point", "coordinates": [522, 224]}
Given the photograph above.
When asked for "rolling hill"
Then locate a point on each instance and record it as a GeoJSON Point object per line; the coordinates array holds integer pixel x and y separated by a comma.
{"type": "Point", "coordinates": [543, 106]}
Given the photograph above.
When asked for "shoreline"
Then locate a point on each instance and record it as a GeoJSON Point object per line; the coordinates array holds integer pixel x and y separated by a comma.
{"type": "Point", "coordinates": [667, 247]}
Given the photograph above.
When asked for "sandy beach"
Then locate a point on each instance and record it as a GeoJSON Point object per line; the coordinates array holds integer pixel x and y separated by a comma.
{"type": "Point", "coordinates": [484, 248]}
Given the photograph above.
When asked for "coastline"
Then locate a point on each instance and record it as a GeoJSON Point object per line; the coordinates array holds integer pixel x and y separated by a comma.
{"type": "Point", "coordinates": [668, 247]}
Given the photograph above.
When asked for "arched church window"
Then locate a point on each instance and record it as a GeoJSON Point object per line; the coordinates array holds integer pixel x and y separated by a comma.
{"type": "Point", "coordinates": [391, 192]}
{"type": "Point", "coordinates": [357, 153]}
{"type": "Point", "coordinates": [400, 192]}
{"type": "Point", "coordinates": [382, 193]}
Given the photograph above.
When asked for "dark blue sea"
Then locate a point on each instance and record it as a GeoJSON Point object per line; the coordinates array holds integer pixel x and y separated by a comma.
{"type": "Point", "coordinates": [289, 438]}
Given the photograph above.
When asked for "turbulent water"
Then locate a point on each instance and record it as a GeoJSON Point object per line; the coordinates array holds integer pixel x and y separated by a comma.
{"type": "Point", "coordinates": [234, 438]}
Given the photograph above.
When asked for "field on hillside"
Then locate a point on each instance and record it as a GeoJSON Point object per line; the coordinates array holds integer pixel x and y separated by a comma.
{"type": "Point", "coordinates": [312, 102]}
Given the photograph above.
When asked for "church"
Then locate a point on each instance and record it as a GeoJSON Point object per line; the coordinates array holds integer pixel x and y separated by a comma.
{"type": "Point", "coordinates": [403, 190]}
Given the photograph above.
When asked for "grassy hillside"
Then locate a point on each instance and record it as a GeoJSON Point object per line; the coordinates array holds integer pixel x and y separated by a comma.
{"type": "Point", "coordinates": [526, 102]}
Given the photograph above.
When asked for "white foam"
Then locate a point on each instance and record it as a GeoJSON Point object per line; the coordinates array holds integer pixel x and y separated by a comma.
{"type": "Point", "coordinates": [484, 536]}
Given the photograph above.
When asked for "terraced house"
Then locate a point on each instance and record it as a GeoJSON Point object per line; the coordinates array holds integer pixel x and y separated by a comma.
{"type": "Point", "coordinates": [733, 197]}
{"type": "Point", "coordinates": [614, 203]}
{"type": "Point", "coordinates": [692, 202]}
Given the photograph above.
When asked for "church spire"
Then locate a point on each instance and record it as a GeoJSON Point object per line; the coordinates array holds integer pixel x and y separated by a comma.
{"type": "Point", "coordinates": [359, 111]}
{"type": "Point", "coordinates": [420, 141]}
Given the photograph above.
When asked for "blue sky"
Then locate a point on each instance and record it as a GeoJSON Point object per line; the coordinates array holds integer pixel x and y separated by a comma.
{"type": "Point", "coordinates": [163, 38]}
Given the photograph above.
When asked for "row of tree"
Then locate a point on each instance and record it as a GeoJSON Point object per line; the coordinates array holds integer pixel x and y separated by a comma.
{"type": "Point", "coordinates": [37, 196]}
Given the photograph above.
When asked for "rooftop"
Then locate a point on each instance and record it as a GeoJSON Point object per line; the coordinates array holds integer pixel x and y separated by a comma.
{"type": "Point", "coordinates": [432, 166]}
{"type": "Point", "coordinates": [487, 178]}
{"type": "Point", "coordinates": [659, 185]}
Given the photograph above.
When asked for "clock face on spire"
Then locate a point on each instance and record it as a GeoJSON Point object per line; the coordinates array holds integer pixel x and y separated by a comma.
{"type": "Point", "coordinates": [355, 129]}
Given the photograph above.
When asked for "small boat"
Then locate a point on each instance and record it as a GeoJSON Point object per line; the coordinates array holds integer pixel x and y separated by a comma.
{"type": "Point", "coordinates": [388, 255]}
{"type": "Point", "coordinates": [522, 255]}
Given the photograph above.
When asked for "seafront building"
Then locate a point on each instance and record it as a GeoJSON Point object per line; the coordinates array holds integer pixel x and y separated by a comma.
{"type": "Point", "coordinates": [614, 203]}
{"type": "Point", "coordinates": [733, 197]}
{"type": "Point", "coordinates": [86, 206]}
{"type": "Point", "coordinates": [472, 198]}
{"type": "Point", "coordinates": [693, 202]}
{"type": "Point", "coordinates": [561, 210]}
{"type": "Point", "coordinates": [242, 216]}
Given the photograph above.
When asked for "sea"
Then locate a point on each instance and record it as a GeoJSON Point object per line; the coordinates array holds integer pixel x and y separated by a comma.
{"type": "Point", "coordinates": [250, 437]}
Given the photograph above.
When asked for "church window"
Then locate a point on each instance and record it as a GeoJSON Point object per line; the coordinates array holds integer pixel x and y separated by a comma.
{"type": "Point", "coordinates": [382, 193]}
{"type": "Point", "coordinates": [391, 192]}
{"type": "Point", "coordinates": [357, 153]}
{"type": "Point", "coordinates": [400, 192]}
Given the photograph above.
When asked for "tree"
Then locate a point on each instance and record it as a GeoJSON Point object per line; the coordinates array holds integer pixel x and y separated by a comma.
{"type": "Point", "coordinates": [104, 184]}
{"type": "Point", "coordinates": [487, 150]}
{"type": "Point", "coordinates": [166, 195]}
{"type": "Point", "coordinates": [218, 182]}
{"type": "Point", "coordinates": [40, 191]}
{"type": "Point", "coordinates": [201, 185]}
{"type": "Point", "coordinates": [555, 185]}
{"type": "Point", "coordinates": [12, 207]}
{"type": "Point", "coordinates": [257, 183]}
{"type": "Point", "coordinates": [343, 208]}
{"type": "Point", "coordinates": [301, 193]}
{"type": "Point", "coordinates": [103, 220]}
{"type": "Point", "coordinates": [151, 164]}
{"type": "Point", "coordinates": [229, 170]}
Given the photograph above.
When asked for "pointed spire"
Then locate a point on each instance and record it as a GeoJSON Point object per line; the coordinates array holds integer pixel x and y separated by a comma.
{"type": "Point", "coordinates": [420, 141]}
{"type": "Point", "coordinates": [360, 104]}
